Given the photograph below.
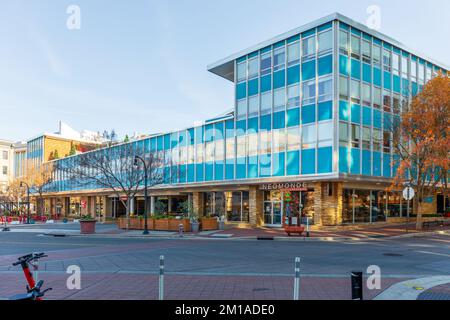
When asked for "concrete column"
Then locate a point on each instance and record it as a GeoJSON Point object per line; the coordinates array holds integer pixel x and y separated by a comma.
{"type": "Point", "coordinates": [132, 206]}
{"type": "Point", "coordinates": [152, 205]}
{"type": "Point", "coordinates": [198, 204]}
{"type": "Point", "coordinates": [169, 204]}
{"type": "Point", "coordinates": [91, 206]}
{"type": "Point", "coordinates": [256, 206]}
{"type": "Point", "coordinates": [108, 207]}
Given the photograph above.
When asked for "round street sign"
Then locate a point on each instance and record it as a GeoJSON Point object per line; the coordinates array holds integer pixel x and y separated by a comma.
{"type": "Point", "coordinates": [408, 193]}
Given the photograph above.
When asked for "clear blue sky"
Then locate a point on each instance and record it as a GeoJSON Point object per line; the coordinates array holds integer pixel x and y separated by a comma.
{"type": "Point", "coordinates": [141, 65]}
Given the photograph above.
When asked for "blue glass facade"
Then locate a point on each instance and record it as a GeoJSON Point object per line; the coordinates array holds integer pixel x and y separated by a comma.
{"type": "Point", "coordinates": [318, 103]}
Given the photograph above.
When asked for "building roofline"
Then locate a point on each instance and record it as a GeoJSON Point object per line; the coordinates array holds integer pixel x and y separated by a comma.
{"type": "Point", "coordinates": [60, 137]}
{"type": "Point", "coordinates": [220, 66]}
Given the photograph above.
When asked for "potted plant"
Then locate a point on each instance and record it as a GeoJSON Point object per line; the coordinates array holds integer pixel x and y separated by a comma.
{"type": "Point", "coordinates": [195, 224]}
{"type": "Point", "coordinates": [87, 225]}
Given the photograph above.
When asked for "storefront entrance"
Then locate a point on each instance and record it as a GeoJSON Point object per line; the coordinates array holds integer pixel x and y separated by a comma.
{"type": "Point", "coordinates": [273, 208]}
{"type": "Point", "coordinates": [273, 213]}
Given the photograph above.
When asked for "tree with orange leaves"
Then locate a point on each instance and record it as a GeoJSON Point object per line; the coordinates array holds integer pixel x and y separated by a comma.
{"type": "Point", "coordinates": [422, 143]}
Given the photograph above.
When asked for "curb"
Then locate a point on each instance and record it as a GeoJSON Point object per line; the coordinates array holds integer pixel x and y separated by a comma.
{"type": "Point", "coordinates": [411, 289]}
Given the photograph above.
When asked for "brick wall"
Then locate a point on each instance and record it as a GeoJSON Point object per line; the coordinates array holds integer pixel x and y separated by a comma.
{"type": "Point", "coordinates": [328, 208]}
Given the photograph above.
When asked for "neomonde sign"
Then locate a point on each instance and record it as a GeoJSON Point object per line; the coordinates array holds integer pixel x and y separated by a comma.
{"type": "Point", "coordinates": [287, 186]}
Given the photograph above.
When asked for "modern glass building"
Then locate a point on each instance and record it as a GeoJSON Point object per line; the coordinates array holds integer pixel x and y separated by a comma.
{"type": "Point", "coordinates": [310, 132]}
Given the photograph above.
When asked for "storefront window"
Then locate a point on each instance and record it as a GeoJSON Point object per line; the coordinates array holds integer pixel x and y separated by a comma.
{"type": "Point", "coordinates": [362, 206]}
{"type": "Point", "coordinates": [394, 205]}
{"type": "Point", "coordinates": [347, 206]}
{"type": "Point", "coordinates": [378, 206]}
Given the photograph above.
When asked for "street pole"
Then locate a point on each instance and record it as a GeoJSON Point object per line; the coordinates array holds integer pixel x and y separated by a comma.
{"type": "Point", "coordinates": [22, 183]}
{"type": "Point", "coordinates": [136, 158]}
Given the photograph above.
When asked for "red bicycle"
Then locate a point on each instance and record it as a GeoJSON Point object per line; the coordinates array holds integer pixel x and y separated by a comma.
{"type": "Point", "coordinates": [33, 289]}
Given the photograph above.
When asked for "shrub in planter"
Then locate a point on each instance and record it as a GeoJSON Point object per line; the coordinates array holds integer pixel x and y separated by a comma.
{"type": "Point", "coordinates": [87, 225]}
{"type": "Point", "coordinates": [195, 224]}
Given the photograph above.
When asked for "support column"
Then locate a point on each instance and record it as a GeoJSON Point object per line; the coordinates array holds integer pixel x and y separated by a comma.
{"type": "Point", "coordinates": [132, 206]}
{"type": "Point", "coordinates": [152, 205]}
{"type": "Point", "coordinates": [169, 204]}
{"type": "Point", "coordinates": [256, 206]}
{"type": "Point", "coordinates": [198, 203]}
{"type": "Point", "coordinates": [91, 206]}
{"type": "Point", "coordinates": [328, 203]}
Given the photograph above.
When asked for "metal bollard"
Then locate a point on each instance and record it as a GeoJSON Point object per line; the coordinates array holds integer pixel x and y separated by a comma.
{"type": "Point", "coordinates": [307, 227]}
{"type": "Point", "coordinates": [357, 285]}
{"type": "Point", "coordinates": [297, 279]}
{"type": "Point", "coordinates": [161, 277]}
{"type": "Point", "coordinates": [180, 230]}
{"type": "Point", "coordinates": [35, 265]}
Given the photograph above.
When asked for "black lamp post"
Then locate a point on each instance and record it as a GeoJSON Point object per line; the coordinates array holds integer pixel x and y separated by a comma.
{"type": "Point", "coordinates": [22, 184]}
{"type": "Point", "coordinates": [136, 159]}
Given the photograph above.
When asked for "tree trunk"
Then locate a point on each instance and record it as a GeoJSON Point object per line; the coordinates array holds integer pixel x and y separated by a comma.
{"type": "Point", "coordinates": [128, 213]}
{"type": "Point", "coordinates": [419, 221]}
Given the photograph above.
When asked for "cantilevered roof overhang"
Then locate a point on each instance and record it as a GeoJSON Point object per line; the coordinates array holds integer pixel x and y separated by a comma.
{"type": "Point", "coordinates": [225, 67]}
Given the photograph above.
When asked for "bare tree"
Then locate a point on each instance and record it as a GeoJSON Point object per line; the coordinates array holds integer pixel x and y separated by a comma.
{"type": "Point", "coordinates": [39, 178]}
{"type": "Point", "coordinates": [113, 169]}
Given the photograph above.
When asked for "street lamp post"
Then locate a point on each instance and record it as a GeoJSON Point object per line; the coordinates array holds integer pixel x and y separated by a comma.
{"type": "Point", "coordinates": [136, 159]}
{"type": "Point", "coordinates": [22, 184]}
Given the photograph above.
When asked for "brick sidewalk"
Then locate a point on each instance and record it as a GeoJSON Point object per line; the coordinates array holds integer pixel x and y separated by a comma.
{"type": "Point", "coordinates": [360, 232]}
{"type": "Point", "coordinates": [180, 287]}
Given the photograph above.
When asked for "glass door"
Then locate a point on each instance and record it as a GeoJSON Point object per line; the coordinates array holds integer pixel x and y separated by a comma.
{"type": "Point", "coordinates": [273, 213]}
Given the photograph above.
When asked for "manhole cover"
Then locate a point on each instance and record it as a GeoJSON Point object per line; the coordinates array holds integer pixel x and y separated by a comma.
{"type": "Point", "coordinates": [391, 254]}
{"type": "Point", "coordinates": [260, 289]}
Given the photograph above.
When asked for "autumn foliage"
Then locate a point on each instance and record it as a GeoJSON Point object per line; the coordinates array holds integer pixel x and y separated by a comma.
{"type": "Point", "coordinates": [422, 141]}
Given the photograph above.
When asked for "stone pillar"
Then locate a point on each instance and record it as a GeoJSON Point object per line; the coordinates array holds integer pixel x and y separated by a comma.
{"type": "Point", "coordinates": [198, 203]}
{"type": "Point", "coordinates": [328, 203]}
{"type": "Point", "coordinates": [152, 205]}
{"type": "Point", "coordinates": [318, 204]}
{"type": "Point", "coordinates": [256, 206]}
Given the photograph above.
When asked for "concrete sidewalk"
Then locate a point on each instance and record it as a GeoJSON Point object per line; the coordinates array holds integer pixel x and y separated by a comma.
{"type": "Point", "coordinates": [413, 289]}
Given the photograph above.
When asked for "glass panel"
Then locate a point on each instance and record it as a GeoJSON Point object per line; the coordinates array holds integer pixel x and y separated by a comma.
{"type": "Point", "coordinates": [266, 63]}
{"type": "Point", "coordinates": [279, 140]}
{"type": "Point", "coordinates": [253, 106]}
{"type": "Point", "coordinates": [279, 58]}
{"type": "Point", "coordinates": [377, 98]}
{"type": "Point", "coordinates": [309, 47]}
{"type": "Point", "coordinates": [378, 206]}
{"type": "Point", "coordinates": [325, 134]}
{"type": "Point", "coordinates": [241, 109]}
{"type": "Point", "coordinates": [355, 91]}
{"type": "Point", "coordinates": [394, 201]}
{"type": "Point", "coordinates": [266, 103]}
{"type": "Point", "coordinates": [293, 96]}
{"type": "Point", "coordinates": [356, 47]}
{"type": "Point", "coordinates": [293, 139]}
{"type": "Point", "coordinates": [343, 88]}
{"type": "Point", "coordinates": [366, 95]}
{"type": "Point", "coordinates": [253, 68]}
{"type": "Point", "coordinates": [376, 55]}
{"type": "Point", "coordinates": [366, 138]}
{"type": "Point", "coordinates": [240, 147]}
{"type": "Point", "coordinates": [230, 148]}
{"type": "Point", "coordinates": [366, 52]}
{"type": "Point", "coordinates": [343, 42]}
{"type": "Point", "coordinates": [309, 92]}
{"type": "Point", "coordinates": [242, 71]}
{"type": "Point", "coordinates": [376, 140]}
{"type": "Point", "coordinates": [356, 135]}
{"type": "Point", "coordinates": [325, 41]}
{"type": "Point", "coordinates": [325, 89]}
{"type": "Point", "coordinates": [293, 53]}
{"type": "Point", "coordinates": [343, 133]}
{"type": "Point", "coordinates": [362, 206]}
{"type": "Point", "coordinates": [266, 142]}
{"type": "Point", "coordinates": [347, 206]}
{"type": "Point", "coordinates": [309, 136]}
{"type": "Point", "coordinates": [279, 98]}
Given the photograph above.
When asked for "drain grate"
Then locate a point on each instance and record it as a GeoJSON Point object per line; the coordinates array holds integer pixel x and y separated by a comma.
{"type": "Point", "coordinates": [260, 289]}
{"type": "Point", "coordinates": [392, 254]}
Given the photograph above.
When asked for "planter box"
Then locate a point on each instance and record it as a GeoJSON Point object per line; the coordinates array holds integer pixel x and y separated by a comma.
{"type": "Point", "coordinates": [174, 224]}
{"type": "Point", "coordinates": [136, 223]}
{"type": "Point", "coordinates": [162, 224]}
{"type": "Point", "coordinates": [209, 224]}
{"type": "Point", "coordinates": [87, 227]}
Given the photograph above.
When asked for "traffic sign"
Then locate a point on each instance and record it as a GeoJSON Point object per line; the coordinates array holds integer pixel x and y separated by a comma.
{"type": "Point", "coordinates": [408, 193]}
